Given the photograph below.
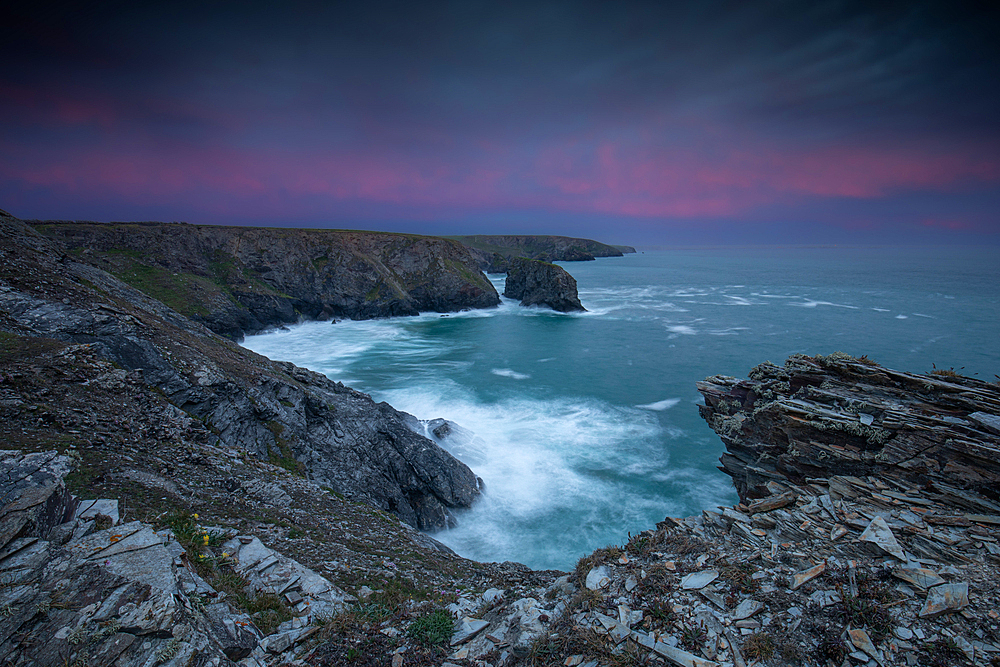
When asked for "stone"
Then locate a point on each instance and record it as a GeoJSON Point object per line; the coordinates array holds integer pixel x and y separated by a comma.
{"type": "Point", "coordinates": [89, 509]}
{"type": "Point", "coordinates": [863, 642]}
{"type": "Point", "coordinates": [802, 577]}
{"type": "Point", "coordinates": [598, 578]}
{"type": "Point", "coordinates": [671, 653]}
{"type": "Point", "coordinates": [902, 633]}
{"type": "Point", "coordinates": [878, 533]}
{"type": "Point", "coordinates": [746, 608]}
{"type": "Point", "coordinates": [837, 532]}
{"type": "Point", "coordinates": [697, 580]}
{"type": "Point", "coordinates": [773, 502]}
{"type": "Point", "coordinates": [467, 629]}
{"type": "Point", "coordinates": [918, 576]}
{"type": "Point", "coordinates": [945, 598]}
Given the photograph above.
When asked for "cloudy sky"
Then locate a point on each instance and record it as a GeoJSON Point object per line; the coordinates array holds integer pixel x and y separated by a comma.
{"type": "Point", "coordinates": [630, 122]}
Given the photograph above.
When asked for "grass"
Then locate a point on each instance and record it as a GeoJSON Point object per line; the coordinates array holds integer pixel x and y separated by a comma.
{"type": "Point", "coordinates": [435, 627]}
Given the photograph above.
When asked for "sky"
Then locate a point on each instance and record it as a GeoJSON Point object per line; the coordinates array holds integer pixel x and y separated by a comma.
{"type": "Point", "coordinates": [629, 122]}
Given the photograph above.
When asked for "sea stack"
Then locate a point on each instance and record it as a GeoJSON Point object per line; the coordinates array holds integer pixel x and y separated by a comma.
{"type": "Point", "coordinates": [538, 283]}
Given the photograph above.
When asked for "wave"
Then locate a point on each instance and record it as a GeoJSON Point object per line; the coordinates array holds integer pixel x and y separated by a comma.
{"type": "Point", "coordinates": [660, 406]}
{"type": "Point", "coordinates": [508, 373]}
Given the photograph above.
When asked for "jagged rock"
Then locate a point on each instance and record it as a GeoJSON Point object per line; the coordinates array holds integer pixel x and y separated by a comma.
{"type": "Point", "coordinates": [920, 577]}
{"type": "Point", "coordinates": [102, 592]}
{"type": "Point", "coordinates": [808, 418]}
{"type": "Point", "coordinates": [879, 534]}
{"type": "Point", "coordinates": [946, 597]}
{"type": "Point", "coordinates": [698, 580]}
{"type": "Point", "coordinates": [538, 283]}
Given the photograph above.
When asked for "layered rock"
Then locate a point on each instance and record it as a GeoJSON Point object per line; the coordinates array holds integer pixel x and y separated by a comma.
{"type": "Point", "coordinates": [339, 437]}
{"type": "Point", "coordinates": [239, 280]}
{"type": "Point", "coordinates": [494, 252]}
{"type": "Point", "coordinates": [538, 283]}
{"type": "Point", "coordinates": [817, 416]}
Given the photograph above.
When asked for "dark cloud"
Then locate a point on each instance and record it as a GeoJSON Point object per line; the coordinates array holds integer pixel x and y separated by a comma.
{"type": "Point", "coordinates": [483, 112]}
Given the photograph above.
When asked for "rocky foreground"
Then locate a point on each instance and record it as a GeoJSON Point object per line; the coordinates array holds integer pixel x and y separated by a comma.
{"type": "Point", "coordinates": [170, 498]}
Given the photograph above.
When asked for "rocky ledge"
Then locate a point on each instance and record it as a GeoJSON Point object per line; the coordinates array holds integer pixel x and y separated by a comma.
{"type": "Point", "coordinates": [538, 283]}
{"type": "Point", "coordinates": [238, 280]}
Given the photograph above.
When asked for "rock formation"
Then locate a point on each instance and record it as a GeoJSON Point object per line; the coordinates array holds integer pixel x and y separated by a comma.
{"type": "Point", "coordinates": [239, 280]}
{"type": "Point", "coordinates": [494, 252]}
{"type": "Point", "coordinates": [269, 410]}
{"type": "Point", "coordinates": [538, 283]}
{"type": "Point", "coordinates": [817, 416]}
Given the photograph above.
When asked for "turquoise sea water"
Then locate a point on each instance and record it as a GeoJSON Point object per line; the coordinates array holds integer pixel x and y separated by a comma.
{"type": "Point", "coordinates": [588, 424]}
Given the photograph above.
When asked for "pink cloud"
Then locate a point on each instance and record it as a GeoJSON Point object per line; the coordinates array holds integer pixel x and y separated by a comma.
{"type": "Point", "coordinates": [707, 176]}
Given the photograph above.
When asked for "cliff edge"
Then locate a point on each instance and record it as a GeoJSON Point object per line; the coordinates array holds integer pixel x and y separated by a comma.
{"type": "Point", "coordinates": [494, 252]}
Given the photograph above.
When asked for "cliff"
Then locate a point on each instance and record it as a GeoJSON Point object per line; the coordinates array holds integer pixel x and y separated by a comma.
{"type": "Point", "coordinates": [538, 283]}
{"type": "Point", "coordinates": [494, 252]}
{"type": "Point", "coordinates": [239, 400]}
{"type": "Point", "coordinates": [239, 280]}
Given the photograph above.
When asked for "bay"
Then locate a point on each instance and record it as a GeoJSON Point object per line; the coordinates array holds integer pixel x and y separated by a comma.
{"type": "Point", "coordinates": [587, 424]}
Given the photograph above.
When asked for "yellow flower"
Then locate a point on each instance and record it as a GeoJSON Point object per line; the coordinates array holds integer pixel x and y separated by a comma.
{"type": "Point", "coordinates": [195, 516]}
{"type": "Point", "coordinates": [205, 538]}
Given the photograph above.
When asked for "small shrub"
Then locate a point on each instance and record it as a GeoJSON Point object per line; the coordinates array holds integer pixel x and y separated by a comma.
{"type": "Point", "coordinates": [693, 637]}
{"type": "Point", "coordinates": [759, 646]}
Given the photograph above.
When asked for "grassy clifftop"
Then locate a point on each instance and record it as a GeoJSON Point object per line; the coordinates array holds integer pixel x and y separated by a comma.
{"type": "Point", "coordinates": [240, 280]}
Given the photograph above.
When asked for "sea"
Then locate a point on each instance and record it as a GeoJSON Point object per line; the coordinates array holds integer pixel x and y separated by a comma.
{"type": "Point", "coordinates": [587, 425]}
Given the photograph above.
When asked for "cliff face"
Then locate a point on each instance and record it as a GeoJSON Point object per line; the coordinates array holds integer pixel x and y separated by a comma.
{"type": "Point", "coordinates": [239, 280]}
{"type": "Point", "coordinates": [247, 403]}
{"type": "Point", "coordinates": [494, 252]}
{"type": "Point", "coordinates": [538, 283]}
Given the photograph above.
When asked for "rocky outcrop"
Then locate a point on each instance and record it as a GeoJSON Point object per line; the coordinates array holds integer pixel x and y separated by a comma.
{"type": "Point", "coordinates": [817, 416]}
{"type": "Point", "coordinates": [538, 283]}
{"type": "Point", "coordinates": [494, 252]}
{"type": "Point", "coordinates": [239, 280]}
{"type": "Point", "coordinates": [337, 436]}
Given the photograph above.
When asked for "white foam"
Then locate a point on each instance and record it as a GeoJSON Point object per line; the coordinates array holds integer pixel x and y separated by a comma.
{"type": "Point", "coordinates": [508, 373]}
{"type": "Point", "coordinates": [559, 463]}
{"type": "Point", "coordinates": [812, 304]}
{"type": "Point", "coordinates": [901, 317]}
{"type": "Point", "coordinates": [660, 406]}
{"type": "Point", "coordinates": [930, 317]}
{"type": "Point", "coordinates": [682, 329]}
{"type": "Point", "coordinates": [881, 310]}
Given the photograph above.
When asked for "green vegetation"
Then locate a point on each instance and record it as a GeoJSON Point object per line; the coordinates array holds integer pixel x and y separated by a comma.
{"type": "Point", "coordinates": [433, 628]}
{"type": "Point", "coordinates": [268, 610]}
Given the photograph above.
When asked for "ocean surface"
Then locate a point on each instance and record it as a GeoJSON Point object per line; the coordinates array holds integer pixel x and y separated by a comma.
{"type": "Point", "coordinates": [587, 424]}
